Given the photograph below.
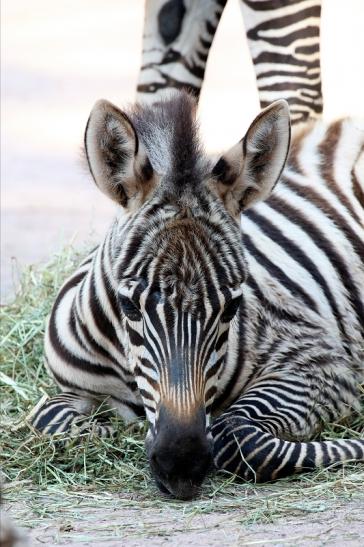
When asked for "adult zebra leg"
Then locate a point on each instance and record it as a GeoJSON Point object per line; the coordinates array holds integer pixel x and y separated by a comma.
{"type": "Point", "coordinates": [68, 413]}
{"type": "Point", "coordinates": [284, 41]}
{"type": "Point", "coordinates": [176, 43]}
{"type": "Point", "coordinates": [251, 437]}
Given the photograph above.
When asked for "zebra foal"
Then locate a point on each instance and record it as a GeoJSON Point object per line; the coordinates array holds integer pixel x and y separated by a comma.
{"type": "Point", "coordinates": [235, 326]}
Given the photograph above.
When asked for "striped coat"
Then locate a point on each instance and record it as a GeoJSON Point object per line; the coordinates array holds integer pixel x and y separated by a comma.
{"type": "Point", "coordinates": [236, 326]}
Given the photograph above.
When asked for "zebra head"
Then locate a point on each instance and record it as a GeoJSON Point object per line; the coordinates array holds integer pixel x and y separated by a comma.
{"type": "Point", "coordinates": [178, 263]}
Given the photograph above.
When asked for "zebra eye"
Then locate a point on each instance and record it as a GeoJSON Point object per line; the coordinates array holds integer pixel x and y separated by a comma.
{"type": "Point", "coordinates": [130, 309]}
{"type": "Point", "coordinates": [230, 309]}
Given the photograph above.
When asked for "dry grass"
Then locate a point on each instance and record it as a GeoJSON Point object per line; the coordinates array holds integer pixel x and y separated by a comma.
{"type": "Point", "coordinates": [48, 479]}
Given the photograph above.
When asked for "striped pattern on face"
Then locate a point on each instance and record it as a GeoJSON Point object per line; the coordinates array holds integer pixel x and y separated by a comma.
{"type": "Point", "coordinates": [180, 291]}
{"type": "Point", "coordinates": [283, 38]}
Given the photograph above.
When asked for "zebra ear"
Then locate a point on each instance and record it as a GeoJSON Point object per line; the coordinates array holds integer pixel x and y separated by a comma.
{"type": "Point", "coordinates": [248, 172]}
{"type": "Point", "coordinates": [117, 160]}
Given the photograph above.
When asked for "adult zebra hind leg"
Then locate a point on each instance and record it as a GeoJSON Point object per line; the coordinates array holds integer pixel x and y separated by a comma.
{"type": "Point", "coordinates": [284, 42]}
{"type": "Point", "coordinates": [176, 43]}
{"type": "Point", "coordinates": [250, 437]}
{"type": "Point", "coordinates": [71, 414]}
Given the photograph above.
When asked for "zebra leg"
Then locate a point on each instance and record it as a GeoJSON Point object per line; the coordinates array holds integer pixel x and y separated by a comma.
{"type": "Point", "coordinates": [68, 413]}
{"type": "Point", "coordinates": [176, 43]}
{"type": "Point", "coordinates": [284, 41]}
{"type": "Point", "coordinates": [253, 438]}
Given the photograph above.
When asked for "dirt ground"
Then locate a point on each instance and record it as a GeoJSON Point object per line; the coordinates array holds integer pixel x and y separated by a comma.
{"type": "Point", "coordinates": [336, 524]}
{"type": "Point", "coordinates": [56, 61]}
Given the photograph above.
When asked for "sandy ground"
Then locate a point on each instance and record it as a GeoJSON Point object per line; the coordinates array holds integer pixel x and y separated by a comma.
{"type": "Point", "coordinates": [57, 59]}
{"type": "Point", "coordinates": [340, 525]}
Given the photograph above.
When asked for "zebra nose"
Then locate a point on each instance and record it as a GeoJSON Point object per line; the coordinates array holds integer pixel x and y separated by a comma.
{"type": "Point", "coordinates": [180, 457]}
{"type": "Point", "coordinates": [180, 468]}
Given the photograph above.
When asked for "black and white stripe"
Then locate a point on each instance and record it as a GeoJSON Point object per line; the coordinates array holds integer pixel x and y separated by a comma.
{"type": "Point", "coordinates": [283, 38]}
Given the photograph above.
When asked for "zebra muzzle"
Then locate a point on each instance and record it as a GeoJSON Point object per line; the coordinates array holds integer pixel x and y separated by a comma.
{"type": "Point", "coordinates": [180, 454]}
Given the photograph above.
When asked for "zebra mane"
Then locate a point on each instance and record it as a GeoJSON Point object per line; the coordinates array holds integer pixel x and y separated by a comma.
{"type": "Point", "coordinates": [169, 132]}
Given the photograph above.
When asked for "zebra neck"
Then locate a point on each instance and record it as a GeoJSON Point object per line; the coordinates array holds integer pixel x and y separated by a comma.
{"type": "Point", "coordinates": [97, 298]}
